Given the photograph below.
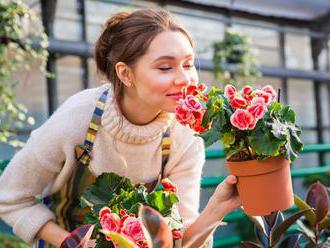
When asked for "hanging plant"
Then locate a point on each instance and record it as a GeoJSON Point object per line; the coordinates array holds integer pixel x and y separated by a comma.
{"type": "Point", "coordinates": [235, 51]}
{"type": "Point", "coordinates": [19, 27]}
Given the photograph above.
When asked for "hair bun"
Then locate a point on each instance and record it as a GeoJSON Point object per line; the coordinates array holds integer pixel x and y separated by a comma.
{"type": "Point", "coordinates": [116, 20]}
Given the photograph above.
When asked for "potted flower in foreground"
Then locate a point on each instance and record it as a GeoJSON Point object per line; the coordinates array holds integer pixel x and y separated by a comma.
{"type": "Point", "coordinates": [259, 136]}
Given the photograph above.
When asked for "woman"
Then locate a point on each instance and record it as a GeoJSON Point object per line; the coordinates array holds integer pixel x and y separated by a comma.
{"type": "Point", "coordinates": [147, 58]}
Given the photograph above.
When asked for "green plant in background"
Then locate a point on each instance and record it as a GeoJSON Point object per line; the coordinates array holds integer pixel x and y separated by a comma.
{"type": "Point", "coordinates": [322, 178]}
{"type": "Point", "coordinates": [316, 225]}
{"type": "Point", "coordinates": [19, 27]}
{"type": "Point", "coordinates": [235, 50]}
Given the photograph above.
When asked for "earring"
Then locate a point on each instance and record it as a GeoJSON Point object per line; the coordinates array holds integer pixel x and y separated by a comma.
{"type": "Point", "coordinates": [128, 84]}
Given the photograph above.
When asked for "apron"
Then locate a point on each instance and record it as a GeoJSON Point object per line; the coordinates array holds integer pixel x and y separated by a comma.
{"type": "Point", "coordinates": [66, 203]}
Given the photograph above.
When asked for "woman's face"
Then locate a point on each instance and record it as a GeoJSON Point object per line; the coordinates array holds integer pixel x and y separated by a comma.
{"type": "Point", "coordinates": [163, 70]}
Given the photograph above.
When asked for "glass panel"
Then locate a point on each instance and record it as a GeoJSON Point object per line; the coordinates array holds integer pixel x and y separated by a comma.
{"type": "Point", "coordinates": [298, 52]}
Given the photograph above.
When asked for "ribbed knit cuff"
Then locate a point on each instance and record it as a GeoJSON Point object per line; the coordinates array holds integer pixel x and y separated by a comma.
{"type": "Point", "coordinates": [30, 223]}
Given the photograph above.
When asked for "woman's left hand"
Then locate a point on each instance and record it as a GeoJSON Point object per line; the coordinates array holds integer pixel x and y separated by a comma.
{"type": "Point", "coordinates": [226, 195]}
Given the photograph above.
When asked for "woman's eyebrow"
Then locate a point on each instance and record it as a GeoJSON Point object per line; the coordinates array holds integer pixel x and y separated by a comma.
{"type": "Point", "coordinates": [168, 57]}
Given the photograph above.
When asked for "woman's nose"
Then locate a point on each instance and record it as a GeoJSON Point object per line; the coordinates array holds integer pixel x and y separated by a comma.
{"type": "Point", "coordinates": [182, 80]}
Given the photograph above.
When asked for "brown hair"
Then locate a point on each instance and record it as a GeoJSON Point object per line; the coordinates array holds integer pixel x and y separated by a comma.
{"type": "Point", "coordinates": [126, 37]}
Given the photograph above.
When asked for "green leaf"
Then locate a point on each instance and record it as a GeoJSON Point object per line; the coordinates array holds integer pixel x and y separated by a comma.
{"type": "Point", "coordinates": [265, 143]}
{"type": "Point", "coordinates": [288, 115]}
{"type": "Point", "coordinates": [324, 224]}
{"type": "Point", "coordinates": [310, 215]}
{"type": "Point", "coordinates": [162, 201]}
{"type": "Point", "coordinates": [123, 242]}
{"type": "Point", "coordinates": [285, 225]}
{"type": "Point", "coordinates": [227, 139]}
{"type": "Point", "coordinates": [105, 187]}
{"type": "Point", "coordinates": [210, 136]}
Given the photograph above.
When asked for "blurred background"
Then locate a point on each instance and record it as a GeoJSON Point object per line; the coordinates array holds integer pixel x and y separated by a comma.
{"type": "Point", "coordinates": [284, 43]}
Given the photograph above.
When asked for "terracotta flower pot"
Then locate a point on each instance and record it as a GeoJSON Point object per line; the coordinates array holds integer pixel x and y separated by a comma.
{"type": "Point", "coordinates": [264, 186]}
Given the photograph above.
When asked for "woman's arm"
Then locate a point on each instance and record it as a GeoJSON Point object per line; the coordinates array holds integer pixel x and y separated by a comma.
{"type": "Point", "coordinates": [223, 201]}
{"type": "Point", "coordinates": [53, 233]}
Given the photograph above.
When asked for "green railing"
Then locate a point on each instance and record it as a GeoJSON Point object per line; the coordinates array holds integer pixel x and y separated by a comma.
{"type": "Point", "coordinates": [211, 182]}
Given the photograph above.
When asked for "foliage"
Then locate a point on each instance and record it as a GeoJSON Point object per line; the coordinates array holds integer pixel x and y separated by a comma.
{"type": "Point", "coordinates": [249, 122]}
{"type": "Point", "coordinates": [270, 229]}
{"type": "Point", "coordinates": [19, 28]}
{"type": "Point", "coordinates": [11, 241]}
{"type": "Point", "coordinates": [316, 225]}
{"type": "Point", "coordinates": [235, 49]}
{"type": "Point", "coordinates": [122, 199]}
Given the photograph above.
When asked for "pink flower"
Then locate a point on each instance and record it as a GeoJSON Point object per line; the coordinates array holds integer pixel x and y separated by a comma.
{"type": "Point", "coordinates": [103, 211]}
{"type": "Point", "coordinates": [168, 185]}
{"type": "Point", "coordinates": [247, 93]}
{"type": "Point", "coordinates": [269, 89]}
{"type": "Point", "coordinates": [177, 234]}
{"type": "Point", "coordinates": [243, 120]}
{"type": "Point", "coordinates": [230, 91]}
{"type": "Point", "coordinates": [238, 102]}
{"type": "Point", "coordinates": [257, 110]}
{"type": "Point", "coordinates": [192, 103]}
{"type": "Point", "coordinates": [266, 96]}
{"type": "Point", "coordinates": [197, 126]}
{"type": "Point", "coordinates": [133, 229]}
{"type": "Point", "coordinates": [110, 222]}
{"type": "Point", "coordinates": [182, 114]}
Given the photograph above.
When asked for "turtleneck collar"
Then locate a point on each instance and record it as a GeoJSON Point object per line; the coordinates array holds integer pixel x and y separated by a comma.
{"type": "Point", "coordinates": [115, 123]}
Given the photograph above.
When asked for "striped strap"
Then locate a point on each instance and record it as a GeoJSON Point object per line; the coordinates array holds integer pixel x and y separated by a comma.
{"type": "Point", "coordinates": [166, 145]}
{"type": "Point", "coordinates": [83, 152]}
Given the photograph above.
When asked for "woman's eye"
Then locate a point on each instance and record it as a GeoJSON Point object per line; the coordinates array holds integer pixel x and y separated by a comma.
{"type": "Point", "coordinates": [189, 66]}
{"type": "Point", "coordinates": [165, 68]}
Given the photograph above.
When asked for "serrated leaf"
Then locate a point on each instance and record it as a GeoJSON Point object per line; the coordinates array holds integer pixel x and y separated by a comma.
{"type": "Point", "coordinates": [285, 225]}
{"type": "Point", "coordinates": [288, 115]}
{"type": "Point", "coordinates": [162, 201]}
{"type": "Point", "coordinates": [310, 216]}
{"type": "Point", "coordinates": [265, 143]}
{"type": "Point", "coordinates": [210, 137]}
{"type": "Point", "coordinates": [227, 139]}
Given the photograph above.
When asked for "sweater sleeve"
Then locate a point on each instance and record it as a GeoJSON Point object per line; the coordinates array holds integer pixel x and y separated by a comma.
{"type": "Point", "coordinates": [45, 160]}
{"type": "Point", "coordinates": [186, 175]}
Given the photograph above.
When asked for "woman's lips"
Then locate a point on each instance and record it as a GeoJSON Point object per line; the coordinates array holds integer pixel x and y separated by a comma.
{"type": "Point", "coordinates": [175, 95]}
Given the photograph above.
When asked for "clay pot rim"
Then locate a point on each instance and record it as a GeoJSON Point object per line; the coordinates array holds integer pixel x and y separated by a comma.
{"type": "Point", "coordinates": [256, 167]}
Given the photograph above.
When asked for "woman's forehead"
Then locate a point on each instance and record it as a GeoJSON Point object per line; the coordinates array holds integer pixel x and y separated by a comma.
{"type": "Point", "coordinates": [169, 45]}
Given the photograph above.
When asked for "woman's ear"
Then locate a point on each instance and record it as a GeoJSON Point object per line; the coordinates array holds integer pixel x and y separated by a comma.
{"type": "Point", "coordinates": [124, 73]}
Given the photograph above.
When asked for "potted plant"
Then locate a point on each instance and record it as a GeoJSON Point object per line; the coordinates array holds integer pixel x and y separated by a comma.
{"type": "Point", "coordinates": [259, 136]}
{"type": "Point", "coordinates": [234, 58]}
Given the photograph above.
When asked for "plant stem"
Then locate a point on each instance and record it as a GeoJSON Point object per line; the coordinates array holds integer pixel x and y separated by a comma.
{"type": "Point", "coordinates": [246, 143]}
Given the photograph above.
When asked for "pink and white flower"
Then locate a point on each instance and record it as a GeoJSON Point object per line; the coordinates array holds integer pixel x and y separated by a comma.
{"type": "Point", "coordinates": [243, 120]}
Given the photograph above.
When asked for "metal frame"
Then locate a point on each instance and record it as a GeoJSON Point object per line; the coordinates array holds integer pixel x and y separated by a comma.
{"type": "Point", "coordinates": [318, 30]}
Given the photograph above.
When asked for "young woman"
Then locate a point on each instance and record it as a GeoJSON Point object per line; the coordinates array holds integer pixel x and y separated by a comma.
{"type": "Point", "coordinates": [146, 58]}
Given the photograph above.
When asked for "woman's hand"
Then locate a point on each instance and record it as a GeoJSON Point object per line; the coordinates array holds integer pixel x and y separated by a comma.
{"type": "Point", "coordinates": [226, 195]}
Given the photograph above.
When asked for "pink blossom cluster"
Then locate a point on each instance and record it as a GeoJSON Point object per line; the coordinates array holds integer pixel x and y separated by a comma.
{"type": "Point", "coordinates": [189, 110]}
{"type": "Point", "coordinates": [127, 225]}
{"type": "Point", "coordinates": [249, 105]}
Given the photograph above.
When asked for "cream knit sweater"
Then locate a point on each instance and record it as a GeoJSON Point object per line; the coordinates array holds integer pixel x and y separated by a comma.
{"type": "Point", "coordinates": [46, 161]}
